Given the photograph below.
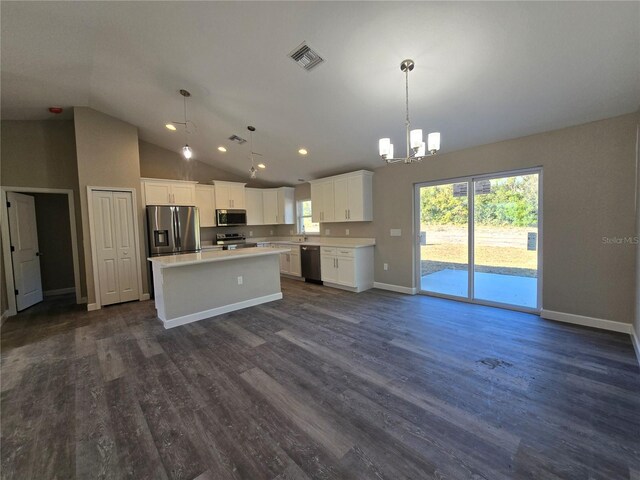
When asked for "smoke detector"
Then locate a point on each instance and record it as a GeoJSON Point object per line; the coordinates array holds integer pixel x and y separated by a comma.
{"type": "Point", "coordinates": [306, 57]}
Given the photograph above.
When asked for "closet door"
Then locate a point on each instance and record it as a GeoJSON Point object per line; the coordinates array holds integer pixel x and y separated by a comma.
{"type": "Point", "coordinates": [106, 249]}
{"type": "Point", "coordinates": [125, 246]}
{"type": "Point", "coordinates": [115, 246]}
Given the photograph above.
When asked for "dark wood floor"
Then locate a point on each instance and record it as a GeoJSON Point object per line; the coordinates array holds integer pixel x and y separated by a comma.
{"type": "Point", "coordinates": [323, 384]}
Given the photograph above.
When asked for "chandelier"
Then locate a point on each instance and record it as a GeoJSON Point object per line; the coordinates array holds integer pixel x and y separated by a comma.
{"type": "Point", "coordinates": [252, 171]}
{"type": "Point", "coordinates": [416, 148]}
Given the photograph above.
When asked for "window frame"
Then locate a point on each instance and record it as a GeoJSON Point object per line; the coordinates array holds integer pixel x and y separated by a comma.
{"type": "Point", "coordinates": [300, 218]}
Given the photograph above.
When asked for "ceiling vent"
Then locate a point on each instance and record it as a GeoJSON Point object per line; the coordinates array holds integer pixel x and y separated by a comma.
{"type": "Point", "coordinates": [237, 139]}
{"type": "Point", "coordinates": [305, 57]}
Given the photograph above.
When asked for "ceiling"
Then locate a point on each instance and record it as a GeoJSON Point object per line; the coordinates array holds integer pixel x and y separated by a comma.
{"type": "Point", "coordinates": [484, 72]}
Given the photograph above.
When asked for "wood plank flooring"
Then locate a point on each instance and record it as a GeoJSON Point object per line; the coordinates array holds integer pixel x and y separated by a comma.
{"type": "Point", "coordinates": [323, 384]}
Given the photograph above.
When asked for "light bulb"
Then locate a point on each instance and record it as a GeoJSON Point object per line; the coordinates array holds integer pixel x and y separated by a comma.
{"type": "Point", "coordinates": [171, 127]}
{"type": "Point", "coordinates": [383, 146]}
{"type": "Point", "coordinates": [421, 150]}
{"type": "Point", "coordinates": [303, 151]}
{"type": "Point", "coordinates": [222, 148]}
{"type": "Point", "coordinates": [433, 142]}
{"type": "Point", "coordinates": [415, 138]}
{"type": "Point", "coordinates": [262, 165]}
{"type": "Point", "coordinates": [187, 152]}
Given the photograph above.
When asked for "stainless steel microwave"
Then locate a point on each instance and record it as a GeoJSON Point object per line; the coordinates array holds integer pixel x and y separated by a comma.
{"type": "Point", "coordinates": [231, 218]}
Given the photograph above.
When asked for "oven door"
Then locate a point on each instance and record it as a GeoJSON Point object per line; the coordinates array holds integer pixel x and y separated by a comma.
{"type": "Point", "coordinates": [231, 218]}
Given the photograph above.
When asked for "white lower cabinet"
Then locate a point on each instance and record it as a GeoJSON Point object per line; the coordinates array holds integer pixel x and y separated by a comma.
{"type": "Point", "coordinates": [348, 268]}
{"type": "Point", "coordinates": [290, 262]}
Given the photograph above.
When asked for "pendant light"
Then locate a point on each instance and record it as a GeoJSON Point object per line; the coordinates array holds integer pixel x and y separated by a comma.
{"type": "Point", "coordinates": [416, 148]}
{"type": "Point", "coordinates": [253, 171]}
{"type": "Point", "coordinates": [187, 152]}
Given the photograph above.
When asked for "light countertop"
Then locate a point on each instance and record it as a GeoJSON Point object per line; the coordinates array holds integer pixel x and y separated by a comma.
{"type": "Point", "coordinates": [181, 260]}
{"type": "Point", "coordinates": [323, 243]}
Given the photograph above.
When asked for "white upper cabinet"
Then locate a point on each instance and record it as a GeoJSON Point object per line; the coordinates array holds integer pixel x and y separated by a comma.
{"type": "Point", "coordinates": [253, 198]}
{"type": "Point", "coordinates": [278, 206]}
{"type": "Point", "coordinates": [343, 198]}
{"type": "Point", "coordinates": [168, 192]}
{"type": "Point", "coordinates": [230, 195]}
{"type": "Point", "coordinates": [206, 203]}
{"type": "Point", "coordinates": [322, 201]}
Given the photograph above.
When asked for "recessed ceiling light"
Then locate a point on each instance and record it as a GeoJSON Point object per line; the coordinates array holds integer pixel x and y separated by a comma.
{"type": "Point", "coordinates": [262, 165]}
{"type": "Point", "coordinates": [303, 151]}
{"type": "Point", "coordinates": [222, 149]}
{"type": "Point", "coordinates": [170, 126]}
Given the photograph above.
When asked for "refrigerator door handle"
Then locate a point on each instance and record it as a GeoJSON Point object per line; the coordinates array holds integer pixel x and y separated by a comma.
{"type": "Point", "coordinates": [176, 229]}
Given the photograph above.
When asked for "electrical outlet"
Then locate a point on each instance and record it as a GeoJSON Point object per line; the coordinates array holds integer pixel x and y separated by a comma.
{"type": "Point", "coordinates": [290, 231]}
{"type": "Point", "coordinates": [240, 280]}
{"type": "Point", "coordinates": [270, 232]}
{"type": "Point", "coordinates": [386, 266]}
{"type": "Point", "coordinates": [327, 231]}
{"type": "Point", "coordinates": [251, 233]}
{"type": "Point", "coordinates": [346, 232]}
{"type": "Point", "coordinates": [396, 232]}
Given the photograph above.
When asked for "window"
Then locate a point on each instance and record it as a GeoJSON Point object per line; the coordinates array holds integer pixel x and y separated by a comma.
{"type": "Point", "coordinates": [305, 224]}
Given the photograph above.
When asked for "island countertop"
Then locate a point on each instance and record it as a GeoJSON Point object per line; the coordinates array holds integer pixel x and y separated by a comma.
{"type": "Point", "coordinates": [168, 261]}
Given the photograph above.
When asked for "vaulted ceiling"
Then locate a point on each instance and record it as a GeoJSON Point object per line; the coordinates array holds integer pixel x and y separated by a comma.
{"type": "Point", "coordinates": [484, 72]}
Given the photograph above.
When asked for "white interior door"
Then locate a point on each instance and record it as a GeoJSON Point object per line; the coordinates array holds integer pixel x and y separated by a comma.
{"type": "Point", "coordinates": [125, 246]}
{"type": "Point", "coordinates": [23, 234]}
{"type": "Point", "coordinates": [115, 246]}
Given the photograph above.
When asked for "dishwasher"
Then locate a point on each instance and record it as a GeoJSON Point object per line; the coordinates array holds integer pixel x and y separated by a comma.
{"type": "Point", "coordinates": [310, 260]}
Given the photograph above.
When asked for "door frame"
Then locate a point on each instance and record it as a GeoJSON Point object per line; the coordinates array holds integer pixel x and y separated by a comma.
{"type": "Point", "coordinates": [470, 179]}
{"type": "Point", "coordinates": [6, 243]}
{"type": "Point", "coordinates": [97, 305]}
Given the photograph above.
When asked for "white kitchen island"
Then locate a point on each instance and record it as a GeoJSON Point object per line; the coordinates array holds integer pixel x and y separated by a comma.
{"type": "Point", "coordinates": [195, 286]}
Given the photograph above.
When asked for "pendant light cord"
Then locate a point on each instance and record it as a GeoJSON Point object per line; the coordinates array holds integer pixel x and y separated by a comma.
{"type": "Point", "coordinates": [408, 123]}
{"type": "Point", "coordinates": [184, 98]}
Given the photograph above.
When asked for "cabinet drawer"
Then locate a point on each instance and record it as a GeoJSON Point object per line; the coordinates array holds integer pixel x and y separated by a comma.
{"type": "Point", "coordinates": [345, 252]}
{"type": "Point", "coordinates": [328, 250]}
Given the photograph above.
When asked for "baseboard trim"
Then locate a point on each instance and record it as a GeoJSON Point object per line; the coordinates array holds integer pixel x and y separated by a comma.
{"type": "Point", "coordinates": [5, 315]}
{"type": "Point", "coordinates": [59, 291]}
{"type": "Point", "coordinates": [145, 296]}
{"type": "Point", "coordinates": [92, 306]}
{"type": "Point", "coordinates": [395, 288]}
{"type": "Point", "coordinates": [194, 317]}
{"type": "Point", "coordinates": [587, 321]}
{"type": "Point", "coordinates": [636, 345]}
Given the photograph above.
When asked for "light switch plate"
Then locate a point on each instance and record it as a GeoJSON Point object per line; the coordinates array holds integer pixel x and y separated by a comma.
{"type": "Point", "coordinates": [327, 231]}
{"type": "Point", "coordinates": [386, 266]}
{"type": "Point", "coordinates": [251, 233]}
{"type": "Point", "coordinates": [346, 231]}
{"type": "Point", "coordinates": [240, 280]}
{"type": "Point", "coordinates": [270, 232]}
{"type": "Point", "coordinates": [396, 232]}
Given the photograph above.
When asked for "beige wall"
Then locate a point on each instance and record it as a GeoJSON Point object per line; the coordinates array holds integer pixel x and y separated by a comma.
{"type": "Point", "coordinates": [588, 194]}
{"type": "Point", "coordinates": [158, 162]}
{"type": "Point", "coordinates": [54, 241]}
{"type": "Point", "coordinates": [637, 238]}
{"type": "Point", "coordinates": [107, 152]}
{"type": "Point", "coordinates": [42, 154]}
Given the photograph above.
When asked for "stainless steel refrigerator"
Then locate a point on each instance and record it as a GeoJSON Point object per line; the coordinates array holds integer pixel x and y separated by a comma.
{"type": "Point", "coordinates": [173, 230]}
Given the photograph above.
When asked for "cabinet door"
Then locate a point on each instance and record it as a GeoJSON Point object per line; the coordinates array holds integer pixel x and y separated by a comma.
{"type": "Point", "coordinates": [270, 206]}
{"type": "Point", "coordinates": [346, 271]}
{"type": "Point", "coordinates": [206, 203]}
{"type": "Point", "coordinates": [255, 214]}
{"type": "Point", "coordinates": [183, 194]}
{"type": "Point", "coordinates": [341, 196]}
{"type": "Point", "coordinates": [222, 197]}
{"type": "Point", "coordinates": [285, 206]}
{"type": "Point", "coordinates": [284, 263]}
{"type": "Point", "coordinates": [316, 202]}
{"type": "Point", "coordinates": [328, 202]}
{"type": "Point", "coordinates": [236, 196]}
{"type": "Point", "coordinates": [355, 198]}
{"type": "Point", "coordinates": [294, 264]}
{"type": "Point", "coordinates": [157, 193]}
{"type": "Point", "coordinates": [328, 269]}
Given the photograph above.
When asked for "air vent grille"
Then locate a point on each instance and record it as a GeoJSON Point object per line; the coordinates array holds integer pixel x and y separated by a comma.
{"type": "Point", "coordinates": [237, 139]}
{"type": "Point", "coordinates": [306, 57]}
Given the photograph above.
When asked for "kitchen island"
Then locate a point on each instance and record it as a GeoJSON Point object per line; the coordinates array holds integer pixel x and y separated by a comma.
{"type": "Point", "coordinates": [195, 286]}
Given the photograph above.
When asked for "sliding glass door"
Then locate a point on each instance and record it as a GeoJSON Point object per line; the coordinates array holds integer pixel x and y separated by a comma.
{"type": "Point", "coordinates": [480, 238]}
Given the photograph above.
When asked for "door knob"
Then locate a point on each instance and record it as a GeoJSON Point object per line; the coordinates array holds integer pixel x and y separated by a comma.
{"type": "Point", "coordinates": [125, 253]}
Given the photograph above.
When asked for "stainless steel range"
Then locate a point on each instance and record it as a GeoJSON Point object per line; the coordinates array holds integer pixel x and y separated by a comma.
{"type": "Point", "coordinates": [231, 241]}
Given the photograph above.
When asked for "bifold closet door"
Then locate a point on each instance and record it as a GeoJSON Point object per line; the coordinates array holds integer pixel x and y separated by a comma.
{"type": "Point", "coordinates": [115, 246]}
